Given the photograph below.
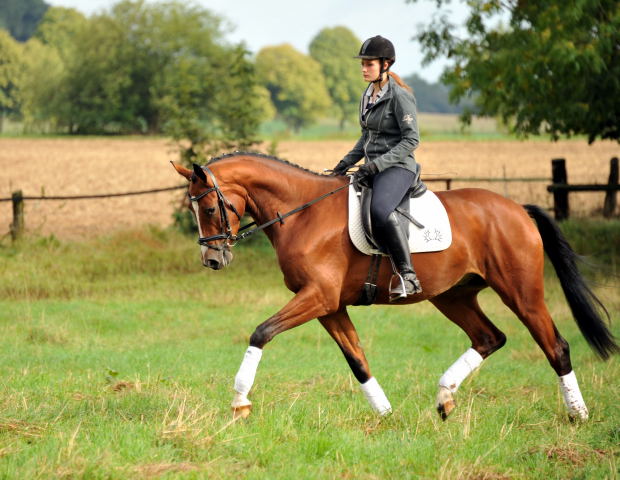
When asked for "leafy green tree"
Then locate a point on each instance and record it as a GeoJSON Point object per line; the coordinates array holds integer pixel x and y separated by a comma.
{"type": "Point", "coordinates": [44, 84]}
{"type": "Point", "coordinates": [555, 67]}
{"type": "Point", "coordinates": [190, 83]}
{"type": "Point", "coordinates": [59, 28]}
{"type": "Point", "coordinates": [98, 77]}
{"type": "Point", "coordinates": [435, 97]}
{"type": "Point", "coordinates": [10, 66]}
{"type": "Point", "coordinates": [21, 17]}
{"type": "Point", "coordinates": [41, 86]}
{"type": "Point", "coordinates": [295, 82]}
{"type": "Point", "coordinates": [334, 48]}
{"type": "Point", "coordinates": [156, 67]}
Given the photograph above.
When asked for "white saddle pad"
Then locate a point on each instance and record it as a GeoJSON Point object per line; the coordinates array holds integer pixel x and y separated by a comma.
{"type": "Point", "coordinates": [426, 209]}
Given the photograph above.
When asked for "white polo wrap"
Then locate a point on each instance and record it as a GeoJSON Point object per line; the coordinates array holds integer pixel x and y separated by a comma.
{"type": "Point", "coordinates": [454, 376]}
{"type": "Point", "coordinates": [572, 396]}
{"type": "Point", "coordinates": [375, 396]}
{"type": "Point", "coordinates": [247, 371]}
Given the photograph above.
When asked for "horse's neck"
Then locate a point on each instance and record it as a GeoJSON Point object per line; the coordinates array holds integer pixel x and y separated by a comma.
{"type": "Point", "coordinates": [274, 188]}
{"type": "Point", "coordinates": [280, 190]}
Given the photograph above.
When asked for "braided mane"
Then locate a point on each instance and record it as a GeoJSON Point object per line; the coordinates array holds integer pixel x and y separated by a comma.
{"type": "Point", "coordinates": [263, 156]}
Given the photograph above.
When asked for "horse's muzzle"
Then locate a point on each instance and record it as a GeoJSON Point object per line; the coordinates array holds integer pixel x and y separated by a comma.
{"type": "Point", "coordinates": [217, 259]}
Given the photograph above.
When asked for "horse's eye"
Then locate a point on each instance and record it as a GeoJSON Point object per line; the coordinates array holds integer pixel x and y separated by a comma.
{"type": "Point", "coordinates": [210, 210]}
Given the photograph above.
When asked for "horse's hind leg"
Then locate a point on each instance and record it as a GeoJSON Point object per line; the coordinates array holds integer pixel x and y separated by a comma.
{"type": "Point", "coordinates": [343, 331]}
{"type": "Point", "coordinates": [525, 298]}
{"type": "Point", "coordinates": [460, 304]}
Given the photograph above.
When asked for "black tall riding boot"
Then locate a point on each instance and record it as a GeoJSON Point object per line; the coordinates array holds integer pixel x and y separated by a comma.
{"type": "Point", "coordinates": [398, 247]}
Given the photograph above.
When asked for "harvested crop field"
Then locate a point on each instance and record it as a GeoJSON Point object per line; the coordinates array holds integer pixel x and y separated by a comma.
{"type": "Point", "coordinates": [83, 166]}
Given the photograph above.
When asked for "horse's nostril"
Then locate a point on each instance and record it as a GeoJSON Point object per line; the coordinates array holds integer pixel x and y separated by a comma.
{"type": "Point", "coordinates": [214, 264]}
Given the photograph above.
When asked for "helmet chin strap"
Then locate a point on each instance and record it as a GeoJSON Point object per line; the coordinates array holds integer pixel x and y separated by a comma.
{"type": "Point", "coordinates": [380, 77]}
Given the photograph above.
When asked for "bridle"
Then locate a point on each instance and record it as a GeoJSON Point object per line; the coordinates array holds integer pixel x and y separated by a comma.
{"type": "Point", "coordinates": [224, 204]}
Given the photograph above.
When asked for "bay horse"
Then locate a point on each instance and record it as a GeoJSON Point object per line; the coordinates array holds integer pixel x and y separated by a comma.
{"type": "Point", "coordinates": [495, 244]}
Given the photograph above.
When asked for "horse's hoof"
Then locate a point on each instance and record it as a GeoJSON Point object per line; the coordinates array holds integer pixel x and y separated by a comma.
{"type": "Point", "coordinates": [445, 403]}
{"type": "Point", "coordinates": [579, 415]}
{"type": "Point", "coordinates": [242, 412]}
{"type": "Point", "coordinates": [445, 409]}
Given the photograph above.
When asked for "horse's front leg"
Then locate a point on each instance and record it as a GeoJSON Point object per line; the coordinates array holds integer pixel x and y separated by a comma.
{"type": "Point", "coordinates": [309, 303]}
{"type": "Point", "coordinates": [343, 331]}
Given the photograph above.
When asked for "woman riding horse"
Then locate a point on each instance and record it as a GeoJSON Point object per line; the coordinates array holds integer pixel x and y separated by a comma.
{"type": "Point", "coordinates": [389, 137]}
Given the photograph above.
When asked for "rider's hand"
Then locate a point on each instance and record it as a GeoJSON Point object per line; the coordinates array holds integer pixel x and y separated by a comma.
{"type": "Point", "coordinates": [365, 173]}
{"type": "Point", "coordinates": [341, 168]}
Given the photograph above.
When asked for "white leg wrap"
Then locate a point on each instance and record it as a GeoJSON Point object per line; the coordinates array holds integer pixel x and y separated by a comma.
{"type": "Point", "coordinates": [454, 376]}
{"type": "Point", "coordinates": [245, 376]}
{"type": "Point", "coordinates": [375, 396]}
{"type": "Point", "coordinates": [572, 396]}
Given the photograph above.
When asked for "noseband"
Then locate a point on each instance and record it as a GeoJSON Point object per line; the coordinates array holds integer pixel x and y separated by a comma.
{"type": "Point", "coordinates": [223, 204]}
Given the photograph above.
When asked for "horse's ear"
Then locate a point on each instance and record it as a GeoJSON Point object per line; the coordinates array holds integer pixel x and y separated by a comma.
{"type": "Point", "coordinates": [182, 170]}
{"type": "Point", "coordinates": [200, 173]}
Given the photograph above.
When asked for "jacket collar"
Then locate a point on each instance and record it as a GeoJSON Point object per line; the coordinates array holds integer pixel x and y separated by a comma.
{"type": "Point", "coordinates": [387, 95]}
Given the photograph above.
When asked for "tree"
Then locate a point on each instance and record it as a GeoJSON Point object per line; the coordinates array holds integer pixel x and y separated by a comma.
{"type": "Point", "coordinates": [295, 83]}
{"type": "Point", "coordinates": [155, 68]}
{"type": "Point", "coordinates": [44, 85]}
{"type": "Point", "coordinates": [21, 17]}
{"type": "Point", "coordinates": [59, 28]}
{"type": "Point", "coordinates": [334, 48]}
{"type": "Point", "coordinates": [41, 86]}
{"type": "Point", "coordinates": [555, 67]}
{"type": "Point", "coordinates": [97, 79]}
{"type": "Point", "coordinates": [10, 66]}
{"type": "Point", "coordinates": [435, 97]}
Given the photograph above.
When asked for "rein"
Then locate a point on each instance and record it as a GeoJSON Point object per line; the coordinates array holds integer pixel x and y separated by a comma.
{"type": "Point", "coordinates": [223, 203]}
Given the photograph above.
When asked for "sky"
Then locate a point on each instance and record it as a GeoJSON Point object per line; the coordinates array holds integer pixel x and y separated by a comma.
{"type": "Point", "coordinates": [261, 23]}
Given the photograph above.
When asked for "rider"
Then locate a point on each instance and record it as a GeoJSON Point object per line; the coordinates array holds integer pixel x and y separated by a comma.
{"type": "Point", "coordinates": [389, 137]}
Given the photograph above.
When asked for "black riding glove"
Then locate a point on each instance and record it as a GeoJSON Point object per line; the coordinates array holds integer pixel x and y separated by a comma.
{"type": "Point", "coordinates": [341, 168]}
{"type": "Point", "coordinates": [365, 173]}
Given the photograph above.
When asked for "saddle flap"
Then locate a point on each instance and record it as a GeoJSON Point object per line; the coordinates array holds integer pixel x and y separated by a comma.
{"type": "Point", "coordinates": [430, 232]}
{"type": "Point", "coordinates": [365, 200]}
{"type": "Point", "coordinates": [403, 210]}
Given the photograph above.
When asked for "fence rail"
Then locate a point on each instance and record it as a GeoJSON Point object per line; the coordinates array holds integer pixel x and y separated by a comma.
{"type": "Point", "coordinates": [18, 224]}
{"type": "Point", "coordinates": [560, 188]}
{"type": "Point", "coordinates": [88, 197]}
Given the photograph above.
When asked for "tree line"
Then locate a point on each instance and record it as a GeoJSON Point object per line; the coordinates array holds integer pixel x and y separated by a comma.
{"type": "Point", "coordinates": [167, 68]}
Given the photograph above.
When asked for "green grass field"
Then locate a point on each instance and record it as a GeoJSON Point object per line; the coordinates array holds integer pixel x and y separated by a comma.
{"type": "Point", "coordinates": [118, 358]}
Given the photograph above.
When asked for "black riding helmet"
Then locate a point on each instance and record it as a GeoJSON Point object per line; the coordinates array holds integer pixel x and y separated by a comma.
{"type": "Point", "coordinates": [380, 48]}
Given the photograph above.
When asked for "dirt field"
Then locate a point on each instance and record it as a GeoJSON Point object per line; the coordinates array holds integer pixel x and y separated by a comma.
{"type": "Point", "coordinates": [97, 166]}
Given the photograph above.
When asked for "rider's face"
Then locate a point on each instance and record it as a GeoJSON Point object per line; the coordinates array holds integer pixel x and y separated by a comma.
{"type": "Point", "coordinates": [371, 69]}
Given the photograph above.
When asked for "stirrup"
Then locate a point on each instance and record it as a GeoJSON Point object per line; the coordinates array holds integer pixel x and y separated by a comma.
{"type": "Point", "coordinates": [400, 290]}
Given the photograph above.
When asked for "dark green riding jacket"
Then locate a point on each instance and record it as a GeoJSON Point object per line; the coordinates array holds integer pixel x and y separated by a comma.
{"type": "Point", "coordinates": [389, 131]}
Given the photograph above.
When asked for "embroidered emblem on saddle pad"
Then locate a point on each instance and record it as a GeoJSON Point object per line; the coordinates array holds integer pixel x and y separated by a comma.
{"type": "Point", "coordinates": [433, 233]}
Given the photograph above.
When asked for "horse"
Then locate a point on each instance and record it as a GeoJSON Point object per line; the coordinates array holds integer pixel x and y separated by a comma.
{"type": "Point", "coordinates": [495, 244]}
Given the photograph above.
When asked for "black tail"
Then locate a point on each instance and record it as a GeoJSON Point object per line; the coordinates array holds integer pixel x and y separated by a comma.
{"type": "Point", "coordinates": [586, 307]}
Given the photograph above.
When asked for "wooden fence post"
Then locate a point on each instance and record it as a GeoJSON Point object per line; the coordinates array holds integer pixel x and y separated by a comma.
{"type": "Point", "coordinates": [17, 227]}
{"type": "Point", "coordinates": [609, 207]}
{"type": "Point", "coordinates": [560, 197]}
